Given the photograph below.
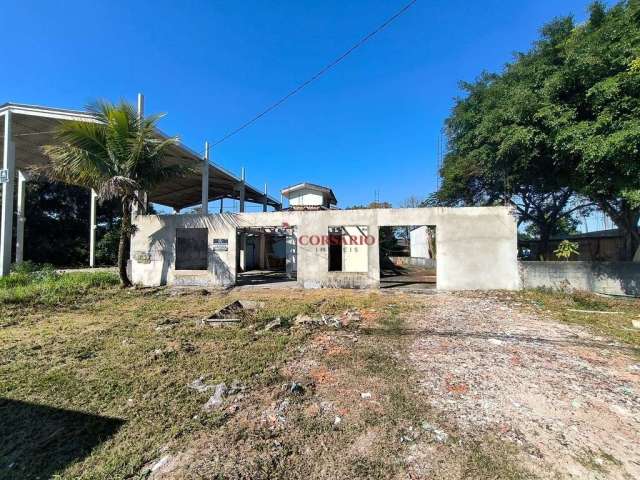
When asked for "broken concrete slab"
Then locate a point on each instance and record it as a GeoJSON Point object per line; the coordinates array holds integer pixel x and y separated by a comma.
{"type": "Point", "coordinates": [232, 313]}
{"type": "Point", "coordinates": [199, 385]}
{"type": "Point", "coordinates": [217, 399]}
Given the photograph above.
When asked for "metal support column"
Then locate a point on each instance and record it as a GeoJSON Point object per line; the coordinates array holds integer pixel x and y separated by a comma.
{"type": "Point", "coordinates": [264, 200]}
{"type": "Point", "coordinates": [20, 216]}
{"type": "Point", "coordinates": [92, 228]}
{"type": "Point", "coordinates": [9, 173]}
{"type": "Point", "coordinates": [135, 208]}
{"type": "Point", "coordinates": [242, 183]}
{"type": "Point", "coordinates": [205, 180]}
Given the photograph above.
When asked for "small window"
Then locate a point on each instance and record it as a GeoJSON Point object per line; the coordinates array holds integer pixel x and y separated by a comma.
{"type": "Point", "coordinates": [191, 249]}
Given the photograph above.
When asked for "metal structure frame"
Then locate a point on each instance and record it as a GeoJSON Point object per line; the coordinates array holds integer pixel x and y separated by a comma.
{"type": "Point", "coordinates": [25, 129]}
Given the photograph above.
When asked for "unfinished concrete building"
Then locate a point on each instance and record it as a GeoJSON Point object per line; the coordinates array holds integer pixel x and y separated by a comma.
{"type": "Point", "coordinates": [477, 247]}
{"type": "Point", "coordinates": [311, 242]}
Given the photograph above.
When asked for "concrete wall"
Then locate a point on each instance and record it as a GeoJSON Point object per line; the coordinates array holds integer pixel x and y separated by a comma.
{"type": "Point", "coordinates": [477, 247]}
{"type": "Point", "coordinates": [414, 261]}
{"type": "Point", "coordinates": [613, 278]}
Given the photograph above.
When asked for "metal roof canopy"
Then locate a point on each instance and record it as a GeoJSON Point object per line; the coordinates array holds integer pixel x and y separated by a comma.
{"type": "Point", "coordinates": [34, 127]}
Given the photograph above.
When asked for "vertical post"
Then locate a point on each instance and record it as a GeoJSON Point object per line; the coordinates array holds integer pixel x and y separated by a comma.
{"type": "Point", "coordinates": [205, 180]}
{"type": "Point", "coordinates": [8, 164]}
{"type": "Point", "coordinates": [263, 251]}
{"type": "Point", "coordinates": [20, 216]}
{"type": "Point", "coordinates": [242, 182]}
{"type": "Point", "coordinates": [221, 204]}
{"type": "Point", "coordinates": [92, 228]}
{"type": "Point", "coordinates": [141, 195]}
{"type": "Point", "coordinates": [264, 200]}
{"type": "Point", "coordinates": [281, 201]}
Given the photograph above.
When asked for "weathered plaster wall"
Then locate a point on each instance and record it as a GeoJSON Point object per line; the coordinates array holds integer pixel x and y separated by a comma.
{"type": "Point", "coordinates": [613, 278]}
{"type": "Point", "coordinates": [477, 247]}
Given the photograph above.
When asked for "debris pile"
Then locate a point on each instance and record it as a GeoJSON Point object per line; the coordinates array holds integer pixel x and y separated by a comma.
{"type": "Point", "coordinates": [231, 314]}
{"type": "Point", "coordinates": [220, 392]}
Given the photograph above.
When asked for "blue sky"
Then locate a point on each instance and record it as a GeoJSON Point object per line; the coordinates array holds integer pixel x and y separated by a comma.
{"type": "Point", "coordinates": [372, 123]}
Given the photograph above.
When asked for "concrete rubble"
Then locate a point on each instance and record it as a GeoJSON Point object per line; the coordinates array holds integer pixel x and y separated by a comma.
{"type": "Point", "coordinates": [232, 313]}
{"type": "Point", "coordinates": [215, 401]}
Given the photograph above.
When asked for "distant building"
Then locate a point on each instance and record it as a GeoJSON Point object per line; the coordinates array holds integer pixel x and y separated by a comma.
{"type": "Point", "coordinates": [419, 242]}
{"type": "Point", "coordinates": [308, 196]}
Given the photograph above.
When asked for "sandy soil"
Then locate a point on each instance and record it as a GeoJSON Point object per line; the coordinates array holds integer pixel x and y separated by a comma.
{"type": "Point", "coordinates": [569, 399]}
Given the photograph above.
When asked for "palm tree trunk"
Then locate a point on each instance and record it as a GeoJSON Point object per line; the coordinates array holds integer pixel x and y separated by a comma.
{"type": "Point", "coordinates": [125, 231]}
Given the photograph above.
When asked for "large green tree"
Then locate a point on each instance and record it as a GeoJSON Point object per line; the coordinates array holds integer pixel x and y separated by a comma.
{"type": "Point", "coordinates": [597, 91]}
{"type": "Point", "coordinates": [118, 156]}
{"type": "Point", "coordinates": [557, 130]}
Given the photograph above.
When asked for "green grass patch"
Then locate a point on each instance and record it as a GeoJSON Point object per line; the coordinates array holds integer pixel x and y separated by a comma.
{"type": "Point", "coordinates": [47, 287]}
{"type": "Point", "coordinates": [563, 306]}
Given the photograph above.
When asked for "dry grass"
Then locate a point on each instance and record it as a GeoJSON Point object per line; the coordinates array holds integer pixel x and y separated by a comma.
{"type": "Point", "coordinates": [96, 388]}
{"type": "Point", "coordinates": [563, 306]}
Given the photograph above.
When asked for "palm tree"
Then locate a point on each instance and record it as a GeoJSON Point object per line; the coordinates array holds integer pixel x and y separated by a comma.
{"type": "Point", "coordinates": [118, 156]}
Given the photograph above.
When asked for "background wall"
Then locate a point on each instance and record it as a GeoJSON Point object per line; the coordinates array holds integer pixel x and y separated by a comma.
{"type": "Point", "coordinates": [613, 278]}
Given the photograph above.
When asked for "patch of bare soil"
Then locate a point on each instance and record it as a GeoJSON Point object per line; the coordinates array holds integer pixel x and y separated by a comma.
{"type": "Point", "coordinates": [567, 398]}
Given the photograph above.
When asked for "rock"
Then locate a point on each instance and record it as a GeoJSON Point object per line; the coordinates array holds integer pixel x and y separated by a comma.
{"type": "Point", "coordinates": [495, 341]}
{"type": "Point", "coordinates": [337, 421]}
{"type": "Point", "coordinates": [331, 321]}
{"type": "Point", "coordinates": [273, 324]}
{"type": "Point", "coordinates": [365, 395]}
{"type": "Point", "coordinates": [216, 400]}
{"type": "Point", "coordinates": [156, 354]}
{"type": "Point", "coordinates": [199, 385]}
{"type": "Point", "coordinates": [302, 319]}
{"type": "Point", "coordinates": [635, 323]}
{"type": "Point", "coordinates": [438, 435]}
{"type": "Point", "coordinates": [160, 463]}
{"type": "Point", "coordinates": [296, 388]}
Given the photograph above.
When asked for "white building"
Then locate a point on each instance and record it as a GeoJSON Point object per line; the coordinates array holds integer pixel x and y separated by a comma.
{"type": "Point", "coordinates": [308, 196]}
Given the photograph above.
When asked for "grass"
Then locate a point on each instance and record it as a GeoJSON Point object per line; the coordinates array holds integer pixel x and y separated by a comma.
{"type": "Point", "coordinates": [562, 306]}
{"type": "Point", "coordinates": [47, 287]}
{"type": "Point", "coordinates": [93, 386]}
{"type": "Point", "coordinates": [127, 356]}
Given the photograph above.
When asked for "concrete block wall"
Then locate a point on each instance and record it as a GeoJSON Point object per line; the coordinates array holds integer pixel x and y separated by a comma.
{"type": "Point", "coordinates": [477, 247]}
{"type": "Point", "coordinates": [612, 278]}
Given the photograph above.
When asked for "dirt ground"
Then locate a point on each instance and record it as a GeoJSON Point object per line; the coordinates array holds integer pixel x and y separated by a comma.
{"type": "Point", "coordinates": [568, 398]}
{"type": "Point", "coordinates": [450, 386]}
{"type": "Point", "coordinates": [326, 384]}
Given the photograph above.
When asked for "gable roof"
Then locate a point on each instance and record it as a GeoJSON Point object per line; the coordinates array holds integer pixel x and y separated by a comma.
{"type": "Point", "coordinates": [286, 192]}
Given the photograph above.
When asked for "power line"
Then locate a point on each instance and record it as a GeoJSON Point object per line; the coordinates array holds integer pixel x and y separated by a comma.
{"type": "Point", "coordinates": [313, 78]}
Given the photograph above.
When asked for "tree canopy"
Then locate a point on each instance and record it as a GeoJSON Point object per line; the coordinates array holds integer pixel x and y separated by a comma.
{"type": "Point", "coordinates": [558, 130]}
{"type": "Point", "coordinates": [117, 156]}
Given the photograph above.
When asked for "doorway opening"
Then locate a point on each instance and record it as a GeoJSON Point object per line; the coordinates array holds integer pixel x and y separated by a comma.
{"type": "Point", "coordinates": [408, 257]}
{"type": "Point", "coordinates": [265, 255]}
